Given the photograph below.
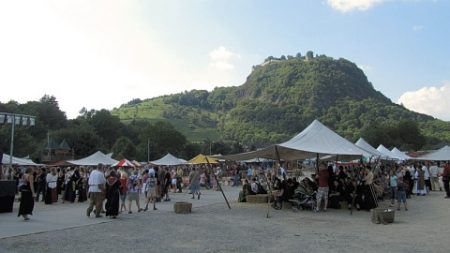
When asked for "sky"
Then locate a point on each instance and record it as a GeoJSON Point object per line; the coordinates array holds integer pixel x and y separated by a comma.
{"type": "Point", "coordinates": [103, 53]}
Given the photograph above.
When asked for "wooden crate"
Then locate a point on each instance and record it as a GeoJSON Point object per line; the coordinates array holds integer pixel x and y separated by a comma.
{"type": "Point", "coordinates": [182, 207]}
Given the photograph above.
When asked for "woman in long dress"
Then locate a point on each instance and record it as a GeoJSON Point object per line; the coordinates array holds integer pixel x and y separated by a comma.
{"type": "Point", "coordinates": [82, 186]}
{"type": "Point", "coordinates": [27, 195]}
{"type": "Point", "coordinates": [420, 175]}
{"type": "Point", "coordinates": [112, 195]}
{"type": "Point", "coordinates": [370, 200]}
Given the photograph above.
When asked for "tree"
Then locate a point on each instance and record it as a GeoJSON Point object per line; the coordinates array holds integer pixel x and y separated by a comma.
{"type": "Point", "coordinates": [107, 126]}
{"type": "Point", "coordinates": [124, 148]}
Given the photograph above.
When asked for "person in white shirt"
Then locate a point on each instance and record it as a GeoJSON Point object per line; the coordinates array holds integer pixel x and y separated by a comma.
{"type": "Point", "coordinates": [51, 192]}
{"type": "Point", "coordinates": [96, 191]}
{"type": "Point", "coordinates": [434, 171]}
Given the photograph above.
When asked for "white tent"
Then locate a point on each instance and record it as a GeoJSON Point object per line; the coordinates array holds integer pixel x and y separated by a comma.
{"type": "Point", "coordinates": [168, 160]}
{"type": "Point", "coordinates": [400, 154]}
{"type": "Point", "coordinates": [363, 144]}
{"type": "Point", "coordinates": [94, 159]}
{"type": "Point", "coordinates": [442, 154]}
{"type": "Point", "coordinates": [387, 152]}
{"type": "Point", "coordinates": [316, 139]}
{"type": "Point", "coordinates": [19, 161]}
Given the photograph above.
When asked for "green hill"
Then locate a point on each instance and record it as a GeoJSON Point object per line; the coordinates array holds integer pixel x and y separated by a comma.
{"type": "Point", "coordinates": [280, 98]}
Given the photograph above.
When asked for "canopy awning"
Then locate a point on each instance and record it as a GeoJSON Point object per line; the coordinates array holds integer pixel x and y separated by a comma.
{"type": "Point", "coordinates": [442, 154]}
{"type": "Point", "coordinates": [400, 154]}
{"type": "Point", "coordinates": [123, 163]}
{"type": "Point", "coordinates": [387, 152]}
{"type": "Point", "coordinates": [168, 160]}
{"type": "Point", "coordinates": [19, 161]}
{"type": "Point", "coordinates": [316, 139]}
{"type": "Point", "coordinates": [202, 159]}
{"type": "Point", "coordinates": [94, 159]}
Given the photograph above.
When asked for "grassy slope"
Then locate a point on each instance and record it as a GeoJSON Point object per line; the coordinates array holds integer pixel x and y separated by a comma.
{"type": "Point", "coordinates": [153, 111]}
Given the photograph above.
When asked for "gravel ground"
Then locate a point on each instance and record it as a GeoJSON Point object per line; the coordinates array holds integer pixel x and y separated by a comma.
{"type": "Point", "coordinates": [245, 228]}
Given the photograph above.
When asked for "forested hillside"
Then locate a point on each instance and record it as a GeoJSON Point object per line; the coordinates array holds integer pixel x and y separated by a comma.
{"type": "Point", "coordinates": [282, 96]}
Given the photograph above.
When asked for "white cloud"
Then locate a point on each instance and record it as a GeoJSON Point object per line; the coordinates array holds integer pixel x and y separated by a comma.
{"type": "Point", "coordinates": [221, 59]}
{"type": "Point", "coordinates": [221, 53]}
{"type": "Point", "coordinates": [350, 5]}
{"type": "Point", "coordinates": [433, 100]}
{"type": "Point", "coordinates": [365, 67]}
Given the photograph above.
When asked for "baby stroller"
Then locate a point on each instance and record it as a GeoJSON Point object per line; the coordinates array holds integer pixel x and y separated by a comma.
{"type": "Point", "coordinates": [305, 195]}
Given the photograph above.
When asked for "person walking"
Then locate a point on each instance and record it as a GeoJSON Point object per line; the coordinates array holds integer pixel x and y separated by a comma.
{"type": "Point", "coordinates": [393, 183]}
{"type": "Point", "coordinates": [27, 195]}
{"type": "Point", "coordinates": [194, 180]}
{"type": "Point", "coordinates": [112, 195]}
{"type": "Point", "coordinates": [434, 171]}
{"type": "Point", "coordinates": [123, 190]}
{"type": "Point", "coordinates": [96, 191]}
{"type": "Point", "coordinates": [152, 192]}
{"type": "Point", "coordinates": [134, 186]}
{"type": "Point", "coordinates": [179, 178]}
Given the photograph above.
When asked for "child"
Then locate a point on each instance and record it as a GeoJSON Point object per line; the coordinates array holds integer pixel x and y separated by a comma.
{"type": "Point", "coordinates": [401, 194]}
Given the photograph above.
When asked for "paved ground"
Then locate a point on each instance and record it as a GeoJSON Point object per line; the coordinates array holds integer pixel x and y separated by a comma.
{"type": "Point", "coordinates": [213, 228]}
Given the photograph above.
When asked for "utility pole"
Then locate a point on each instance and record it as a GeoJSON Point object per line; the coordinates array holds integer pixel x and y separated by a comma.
{"type": "Point", "coordinates": [148, 149]}
{"type": "Point", "coordinates": [13, 119]}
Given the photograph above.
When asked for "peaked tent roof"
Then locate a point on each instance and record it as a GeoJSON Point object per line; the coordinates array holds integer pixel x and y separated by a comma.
{"type": "Point", "coordinates": [168, 160]}
{"type": "Point", "coordinates": [202, 159]}
{"type": "Point", "coordinates": [363, 144]}
{"type": "Point", "coordinates": [94, 159]}
{"type": "Point", "coordinates": [19, 161]}
{"type": "Point", "coordinates": [387, 152]}
{"type": "Point", "coordinates": [442, 154]}
{"type": "Point", "coordinates": [400, 154]}
{"type": "Point", "coordinates": [123, 163]}
{"type": "Point", "coordinates": [315, 139]}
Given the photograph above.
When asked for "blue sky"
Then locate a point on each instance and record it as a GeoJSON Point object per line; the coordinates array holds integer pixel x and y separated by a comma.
{"type": "Point", "coordinates": [100, 54]}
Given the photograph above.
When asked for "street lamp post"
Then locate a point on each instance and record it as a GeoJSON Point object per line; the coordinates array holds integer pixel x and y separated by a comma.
{"type": "Point", "coordinates": [13, 119]}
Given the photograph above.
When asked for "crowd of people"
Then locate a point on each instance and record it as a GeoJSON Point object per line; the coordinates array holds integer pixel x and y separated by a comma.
{"type": "Point", "coordinates": [358, 186]}
{"type": "Point", "coordinates": [120, 187]}
{"type": "Point", "coordinates": [329, 186]}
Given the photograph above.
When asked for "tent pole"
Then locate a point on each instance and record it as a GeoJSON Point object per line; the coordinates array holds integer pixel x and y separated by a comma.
{"type": "Point", "coordinates": [317, 163]}
{"type": "Point", "coordinates": [218, 183]}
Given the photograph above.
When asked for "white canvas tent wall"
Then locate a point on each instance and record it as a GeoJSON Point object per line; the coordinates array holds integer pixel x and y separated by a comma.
{"type": "Point", "coordinates": [19, 161]}
{"type": "Point", "coordinates": [387, 152]}
{"type": "Point", "coordinates": [363, 144]}
{"type": "Point", "coordinates": [400, 154]}
{"type": "Point", "coordinates": [313, 140]}
{"type": "Point", "coordinates": [94, 159]}
{"type": "Point", "coordinates": [442, 154]}
{"type": "Point", "coordinates": [168, 160]}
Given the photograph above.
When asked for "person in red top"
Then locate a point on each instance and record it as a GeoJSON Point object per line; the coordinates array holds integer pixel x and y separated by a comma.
{"type": "Point", "coordinates": [322, 192]}
{"type": "Point", "coordinates": [445, 179]}
{"type": "Point", "coordinates": [123, 190]}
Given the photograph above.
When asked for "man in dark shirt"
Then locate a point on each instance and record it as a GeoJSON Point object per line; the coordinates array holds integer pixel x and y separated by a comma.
{"type": "Point", "coordinates": [41, 183]}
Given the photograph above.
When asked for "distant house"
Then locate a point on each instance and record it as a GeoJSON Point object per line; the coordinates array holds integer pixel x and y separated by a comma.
{"type": "Point", "coordinates": [57, 152]}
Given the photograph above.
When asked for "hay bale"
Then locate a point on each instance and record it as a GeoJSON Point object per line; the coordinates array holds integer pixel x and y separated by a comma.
{"type": "Point", "coordinates": [258, 198]}
{"type": "Point", "coordinates": [182, 207]}
{"type": "Point", "coordinates": [382, 215]}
